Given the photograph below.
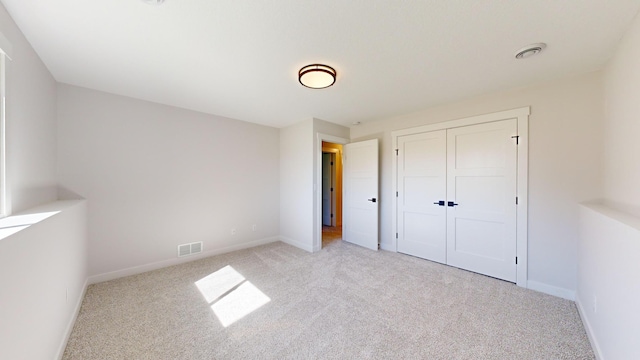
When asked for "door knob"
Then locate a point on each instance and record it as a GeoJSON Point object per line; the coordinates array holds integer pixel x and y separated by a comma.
{"type": "Point", "coordinates": [372, 199]}
{"type": "Point", "coordinates": [440, 203]}
{"type": "Point", "coordinates": [452, 204]}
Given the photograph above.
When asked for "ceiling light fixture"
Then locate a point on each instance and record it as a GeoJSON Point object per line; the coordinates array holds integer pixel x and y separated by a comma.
{"type": "Point", "coordinates": [317, 76]}
{"type": "Point", "coordinates": [530, 50]}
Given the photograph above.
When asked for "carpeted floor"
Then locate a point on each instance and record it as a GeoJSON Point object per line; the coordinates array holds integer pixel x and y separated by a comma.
{"type": "Point", "coordinates": [331, 234]}
{"type": "Point", "coordinates": [344, 302]}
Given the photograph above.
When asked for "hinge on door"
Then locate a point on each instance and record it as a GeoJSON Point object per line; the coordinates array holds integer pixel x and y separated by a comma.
{"type": "Point", "coordinates": [332, 163]}
{"type": "Point", "coordinates": [396, 235]}
{"type": "Point", "coordinates": [516, 260]}
{"type": "Point", "coordinates": [517, 137]}
{"type": "Point", "coordinates": [331, 215]}
{"type": "Point", "coordinates": [396, 194]}
{"type": "Point", "coordinates": [331, 189]}
{"type": "Point", "coordinates": [397, 152]}
{"type": "Point", "coordinates": [516, 200]}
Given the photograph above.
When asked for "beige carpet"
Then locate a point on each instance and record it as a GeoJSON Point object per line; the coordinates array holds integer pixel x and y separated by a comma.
{"type": "Point", "coordinates": [331, 234]}
{"type": "Point", "coordinates": [343, 302]}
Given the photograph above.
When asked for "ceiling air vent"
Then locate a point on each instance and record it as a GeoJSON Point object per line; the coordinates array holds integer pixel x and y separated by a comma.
{"type": "Point", "coordinates": [531, 50]}
{"type": "Point", "coordinates": [189, 249]}
{"type": "Point", "coordinates": [153, 2]}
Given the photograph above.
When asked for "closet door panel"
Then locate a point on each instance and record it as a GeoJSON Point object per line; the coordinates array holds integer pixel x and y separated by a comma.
{"type": "Point", "coordinates": [421, 183]}
{"type": "Point", "coordinates": [481, 198]}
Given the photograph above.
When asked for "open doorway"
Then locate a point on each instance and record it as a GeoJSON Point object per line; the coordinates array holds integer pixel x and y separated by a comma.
{"type": "Point", "coordinates": [331, 193]}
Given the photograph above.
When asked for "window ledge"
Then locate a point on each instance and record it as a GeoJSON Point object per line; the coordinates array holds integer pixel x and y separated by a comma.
{"type": "Point", "coordinates": [24, 219]}
{"type": "Point", "coordinates": [619, 215]}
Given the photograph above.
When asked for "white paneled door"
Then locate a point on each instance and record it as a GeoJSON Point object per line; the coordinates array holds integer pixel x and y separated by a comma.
{"type": "Point", "coordinates": [422, 167]}
{"type": "Point", "coordinates": [481, 198]}
{"type": "Point", "coordinates": [456, 201]}
{"type": "Point", "coordinates": [360, 203]}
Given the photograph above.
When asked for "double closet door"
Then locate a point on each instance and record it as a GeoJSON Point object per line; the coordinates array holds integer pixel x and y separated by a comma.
{"type": "Point", "coordinates": [457, 197]}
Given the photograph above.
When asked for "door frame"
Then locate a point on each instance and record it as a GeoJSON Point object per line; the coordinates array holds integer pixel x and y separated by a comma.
{"type": "Point", "coordinates": [522, 185]}
{"type": "Point", "coordinates": [330, 185]}
{"type": "Point", "coordinates": [334, 180]}
{"type": "Point", "coordinates": [317, 241]}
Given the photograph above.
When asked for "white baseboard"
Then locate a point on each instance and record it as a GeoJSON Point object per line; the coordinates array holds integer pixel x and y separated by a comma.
{"type": "Point", "coordinates": [298, 244]}
{"type": "Point", "coordinates": [72, 321]}
{"type": "Point", "coordinates": [170, 262]}
{"type": "Point", "coordinates": [552, 290]}
{"type": "Point", "coordinates": [589, 329]}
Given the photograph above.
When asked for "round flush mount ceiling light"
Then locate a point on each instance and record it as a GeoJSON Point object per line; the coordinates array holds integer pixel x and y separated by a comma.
{"type": "Point", "coordinates": [153, 2]}
{"type": "Point", "coordinates": [317, 76]}
{"type": "Point", "coordinates": [530, 50]}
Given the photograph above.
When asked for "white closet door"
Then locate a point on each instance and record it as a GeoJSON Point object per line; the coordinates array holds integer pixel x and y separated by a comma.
{"type": "Point", "coordinates": [360, 201]}
{"type": "Point", "coordinates": [481, 180]}
{"type": "Point", "coordinates": [422, 166]}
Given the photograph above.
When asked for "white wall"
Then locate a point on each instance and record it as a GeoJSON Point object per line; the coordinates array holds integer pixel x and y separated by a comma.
{"type": "Point", "coordinates": [608, 292]}
{"type": "Point", "coordinates": [296, 184]}
{"type": "Point", "coordinates": [565, 157]}
{"type": "Point", "coordinates": [609, 249]}
{"type": "Point", "coordinates": [30, 123]}
{"type": "Point", "coordinates": [157, 176]}
{"type": "Point", "coordinates": [299, 160]}
{"type": "Point", "coordinates": [622, 124]}
{"type": "Point", "coordinates": [43, 267]}
{"type": "Point", "coordinates": [43, 273]}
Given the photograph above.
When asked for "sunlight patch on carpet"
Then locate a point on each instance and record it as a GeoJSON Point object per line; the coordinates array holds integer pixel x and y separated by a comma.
{"type": "Point", "coordinates": [216, 284]}
{"type": "Point", "coordinates": [239, 303]}
{"type": "Point", "coordinates": [230, 295]}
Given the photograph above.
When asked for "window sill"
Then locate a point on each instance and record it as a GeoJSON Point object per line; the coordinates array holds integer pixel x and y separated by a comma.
{"type": "Point", "coordinates": [24, 219]}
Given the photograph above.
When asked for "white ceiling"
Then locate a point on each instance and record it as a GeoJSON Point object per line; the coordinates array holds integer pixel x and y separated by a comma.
{"type": "Point", "coordinates": [239, 58]}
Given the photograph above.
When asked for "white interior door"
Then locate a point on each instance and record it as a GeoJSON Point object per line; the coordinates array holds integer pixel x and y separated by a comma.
{"type": "Point", "coordinates": [327, 208]}
{"type": "Point", "coordinates": [360, 201]}
{"type": "Point", "coordinates": [481, 198]}
{"type": "Point", "coordinates": [422, 191]}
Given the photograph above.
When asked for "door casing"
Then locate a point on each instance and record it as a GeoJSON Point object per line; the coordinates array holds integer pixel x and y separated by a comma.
{"type": "Point", "coordinates": [317, 222]}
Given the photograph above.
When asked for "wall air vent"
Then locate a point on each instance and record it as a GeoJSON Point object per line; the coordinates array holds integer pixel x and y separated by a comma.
{"type": "Point", "coordinates": [189, 249]}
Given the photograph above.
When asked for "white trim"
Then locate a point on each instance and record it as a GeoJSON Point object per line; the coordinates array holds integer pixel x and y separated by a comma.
{"type": "Point", "coordinates": [551, 290]}
{"type": "Point", "coordinates": [317, 241]}
{"type": "Point", "coordinates": [5, 46]}
{"type": "Point", "coordinates": [522, 191]}
{"type": "Point", "coordinates": [5, 209]}
{"type": "Point", "coordinates": [299, 244]}
{"type": "Point", "coordinates": [522, 114]}
{"type": "Point", "coordinates": [393, 246]}
{"type": "Point", "coordinates": [587, 326]}
{"type": "Point", "coordinates": [175, 261]}
{"type": "Point", "coordinates": [473, 120]}
{"type": "Point", "coordinates": [72, 320]}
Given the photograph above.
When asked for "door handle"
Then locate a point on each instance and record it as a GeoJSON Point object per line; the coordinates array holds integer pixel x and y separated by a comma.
{"type": "Point", "coordinates": [452, 204]}
{"type": "Point", "coordinates": [439, 203]}
{"type": "Point", "coordinates": [372, 199]}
